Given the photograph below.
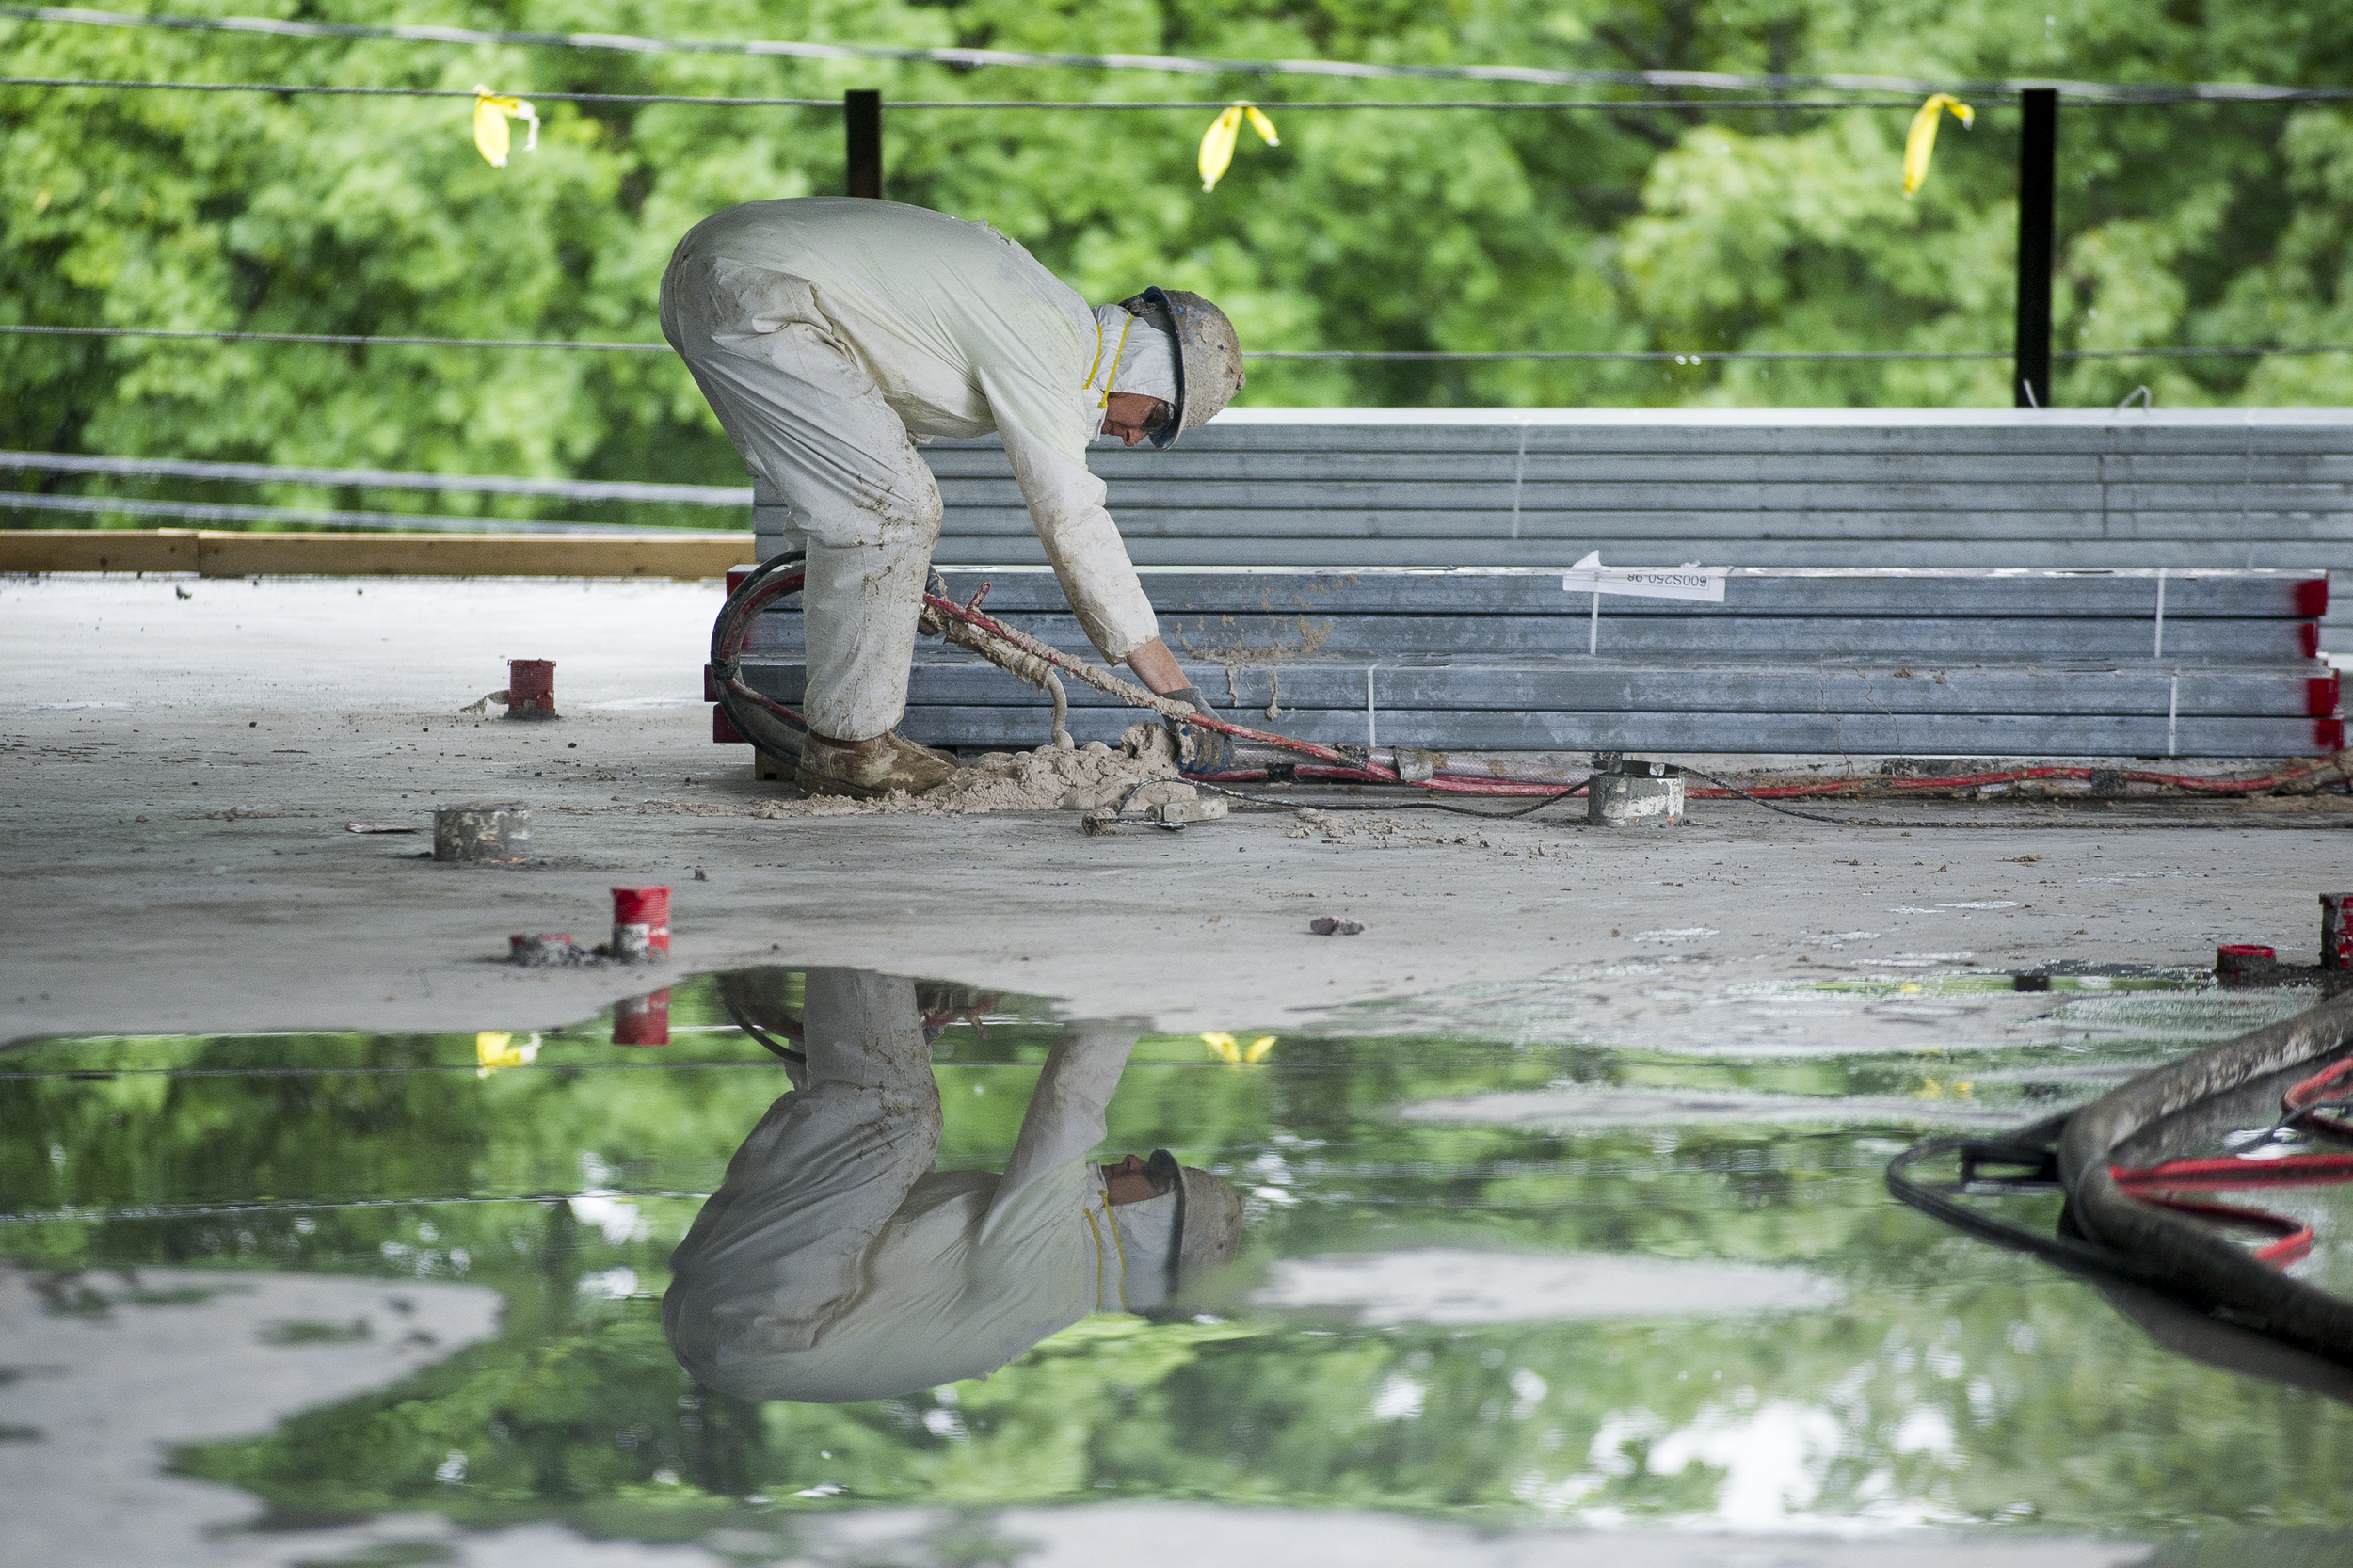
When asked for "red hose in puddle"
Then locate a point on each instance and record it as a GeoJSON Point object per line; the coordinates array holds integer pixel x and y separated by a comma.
{"type": "Point", "coordinates": [2162, 1184]}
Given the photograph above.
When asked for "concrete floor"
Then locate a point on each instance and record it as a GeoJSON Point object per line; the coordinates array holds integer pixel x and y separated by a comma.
{"type": "Point", "coordinates": [180, 758]}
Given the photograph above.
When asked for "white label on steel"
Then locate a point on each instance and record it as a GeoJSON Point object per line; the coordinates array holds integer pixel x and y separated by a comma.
{"type": "Point", "coordinates": [1689, 580]}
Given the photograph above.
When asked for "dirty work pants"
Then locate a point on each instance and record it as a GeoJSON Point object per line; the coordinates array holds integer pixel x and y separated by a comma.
{"type": "Point", "coordinates": [777, 1252]}
{"type": "Point", "coordinates": [808, 418]}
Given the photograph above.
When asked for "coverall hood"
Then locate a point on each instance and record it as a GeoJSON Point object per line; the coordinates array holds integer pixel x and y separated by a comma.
{"type": "Point", "coordinates": [1209, 356]}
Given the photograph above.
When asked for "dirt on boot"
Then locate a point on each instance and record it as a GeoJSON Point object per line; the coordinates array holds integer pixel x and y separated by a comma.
{"type": "Point", "coordinates": [869, 772]}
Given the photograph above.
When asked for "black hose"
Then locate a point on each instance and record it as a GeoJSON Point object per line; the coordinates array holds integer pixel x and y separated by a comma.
{"type": "Point", "coordinates": [2031, 1149]}
{"type": "Point", "coordinates": [770, 727]}
{"type": "Point", "coordinates": [2105, 1232]}
{"type": "Point", "coordinates": [2182, 1251]}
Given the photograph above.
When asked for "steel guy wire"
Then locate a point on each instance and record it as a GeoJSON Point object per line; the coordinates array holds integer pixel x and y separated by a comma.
{"type": "Point", "coordinates": [223, 511]}
{"type": "Point", "coordinates": [271, 473]}
{"type": "Point", "coordinates": [1708, 81]}
{"type": "Point", "coordinates": [1684, 357]}
{"type": "Point", "coordinates": [1301, 105]}
{"type": "Point", "coordinates": [328, 339]}
{"type": "Point", "coordinates": [1082, 105]}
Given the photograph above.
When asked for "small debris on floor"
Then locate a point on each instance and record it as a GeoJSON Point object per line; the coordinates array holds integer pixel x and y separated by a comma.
{"type": "Point", "coordinates": [545, 951]}
{"type": "Point", "coordinates": [379, 827]}
{"type": "Point", "coordinates": [492, 832]}
{"type": "Point", "coordinates": [1086, 778]}
{"type": "Point", "coordinates": [557, 951]}
{"type": "Point", "coordinates": [1330, 925]}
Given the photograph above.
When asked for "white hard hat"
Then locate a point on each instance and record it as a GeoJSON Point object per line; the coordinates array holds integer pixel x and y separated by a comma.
{"type": "Point", "coordinates": [1209, 356]}
{"type": "Point", "coordinates": [1207, 1229]}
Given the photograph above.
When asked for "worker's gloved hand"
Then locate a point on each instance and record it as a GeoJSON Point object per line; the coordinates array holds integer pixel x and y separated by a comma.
{"type": "Point", "coordinates": [1212, 751]}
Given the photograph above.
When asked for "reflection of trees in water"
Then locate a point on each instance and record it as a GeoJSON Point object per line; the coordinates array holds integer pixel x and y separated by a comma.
{"type": "Point", "coordinates": [1925, 1407]}
{"type": "Point", "coordinates": [1949, 1378]}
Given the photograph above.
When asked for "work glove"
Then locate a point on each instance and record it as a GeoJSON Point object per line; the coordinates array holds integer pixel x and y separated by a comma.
{"type": "Point", "coordinates": [1212, 750]}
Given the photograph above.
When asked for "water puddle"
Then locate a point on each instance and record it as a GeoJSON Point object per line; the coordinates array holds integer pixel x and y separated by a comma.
{"type": "Point", "coordinates": [1488, 1271]}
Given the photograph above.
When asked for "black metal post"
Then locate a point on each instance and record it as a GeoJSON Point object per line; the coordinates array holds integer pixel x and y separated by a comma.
{"type": "Point", "coordinates": [2038, 178]}
{"type": "Point", "coordinates": [861, 121]}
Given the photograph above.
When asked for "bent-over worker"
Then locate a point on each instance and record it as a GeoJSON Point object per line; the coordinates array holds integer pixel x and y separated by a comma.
{"type": "Point", "coordinates": [835, 1264]}
{"type": "Point", "coordinates": [828, 331]}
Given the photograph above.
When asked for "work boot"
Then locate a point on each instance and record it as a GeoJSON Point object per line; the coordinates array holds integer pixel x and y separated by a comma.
{"type": "Point", "coordinates": [868, 770]}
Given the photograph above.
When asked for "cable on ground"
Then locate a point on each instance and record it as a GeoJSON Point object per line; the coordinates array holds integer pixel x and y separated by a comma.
{"type": "Point", "coordinates": [1298, 805]}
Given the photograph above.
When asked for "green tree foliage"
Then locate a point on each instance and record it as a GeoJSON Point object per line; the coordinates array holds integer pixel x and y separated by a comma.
{"type": "Point", "coordinates": [1683, 228]}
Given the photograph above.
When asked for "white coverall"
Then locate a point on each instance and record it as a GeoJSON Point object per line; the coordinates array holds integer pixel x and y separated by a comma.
{"type": "Point", "coordinates": [834, 1264]}
{"type": "Point", "coordinates": [823, 330]}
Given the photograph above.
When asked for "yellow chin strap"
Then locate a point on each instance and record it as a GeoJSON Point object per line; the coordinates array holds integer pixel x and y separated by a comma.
{"type": "Point", "coordinates": [1119, 1249]}
{"type": "Point", "coordinates": [1105, 401]}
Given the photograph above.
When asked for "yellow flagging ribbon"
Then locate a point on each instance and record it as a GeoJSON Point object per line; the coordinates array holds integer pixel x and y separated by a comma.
{"type": "Point", "coordinates": [493, 1050]}
{"type": "Point", "coordinates": [1920, 142]}
{"type": "Point", "coordinates": [1232, 1051]}
{"type": "Point", "coordinates": [1217, 146]}
{"type": "Point", "coordinates": [492, 133]}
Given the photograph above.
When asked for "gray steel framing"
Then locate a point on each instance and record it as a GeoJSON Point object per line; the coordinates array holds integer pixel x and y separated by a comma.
{"type": "Point", "coordinates": [1267, 639]}
{"type": "Point", "coordinates": [1472, 685]}
{"type": "Point", "coordinates": [2042, 583]}
{"type": "Point", "coordinates": [1867, 734]}
{"type": "Point", "coordinates": [2209, 487]}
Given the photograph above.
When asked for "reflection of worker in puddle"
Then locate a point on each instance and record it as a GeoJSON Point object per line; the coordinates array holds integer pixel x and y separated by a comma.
{"type": "Point", "coordinates": [836, 1264]}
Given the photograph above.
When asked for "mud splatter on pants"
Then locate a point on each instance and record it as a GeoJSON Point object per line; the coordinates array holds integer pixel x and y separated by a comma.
{"type": "Point", "coordinates": [805, 413]}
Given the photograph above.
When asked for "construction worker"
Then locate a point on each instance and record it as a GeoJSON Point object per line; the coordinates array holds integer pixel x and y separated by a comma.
{"type": "Point", "coordinates": [831, 334]}
{"type": "Point", "coordinates": [835, 1264]}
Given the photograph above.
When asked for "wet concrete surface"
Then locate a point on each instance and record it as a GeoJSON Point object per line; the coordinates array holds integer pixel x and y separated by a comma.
{"type": "Point", "coordinates": [108, 1372]}
{"type": "Point", "coordinates": [181, 770]}
{"type": "Point", "coordinates": [389, 1298]}
{"type": "Point", "coordinates": [1593, 1077]}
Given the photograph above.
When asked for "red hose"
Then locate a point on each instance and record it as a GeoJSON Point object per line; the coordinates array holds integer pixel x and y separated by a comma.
{"type": "Point", "coordinates": [2231, 1170]}
{"type": "Point", "coordinates": [1970, 781]}
{"type": "Point", "coordinates": [2162, 1184]}
{"type": "Point", "coordinates": [2294, 1238]}
{"type": "Point", "coordinates": [2333, 1083]}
